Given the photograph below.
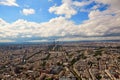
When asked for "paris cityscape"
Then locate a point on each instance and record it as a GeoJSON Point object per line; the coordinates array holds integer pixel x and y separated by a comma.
{"type": "Point", "coordinates": [55, 61]}
{"type": "Point", "coordinates": [59, 39]}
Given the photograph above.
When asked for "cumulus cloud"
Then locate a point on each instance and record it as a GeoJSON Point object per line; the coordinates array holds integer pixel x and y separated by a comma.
{"type": "Point", "coordinates": [62, 28]}
{"type": "Point", "coordinates": [101, 25]}
{"type": "Point", "coordinates": [8, 2]}
{"type": "Point", "coordinates": [68, 7]}
{"type": "Point", "coordinates": [65, 9]}
{"type": "Point", "coordinates": [28, 11]}
{"type": "Point", "coordinates": [81, 4]}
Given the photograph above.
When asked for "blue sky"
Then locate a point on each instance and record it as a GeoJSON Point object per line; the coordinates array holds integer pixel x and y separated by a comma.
{"type": "Point", "coordinates": [41, 8]}
{"type": "Point", "coordinates": [63, 20]}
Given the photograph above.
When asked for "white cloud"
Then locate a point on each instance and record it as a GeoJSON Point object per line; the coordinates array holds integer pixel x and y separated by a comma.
{"type": "Point", "coordinates": [64, 9]}
{"type": "Point", "coordinates": [6, 41]}
{"type": "Point", "coordinates": [101, 25]}
{"type": "Point", "coordinates": [50, 0]}
{"type": "Point", "coordinates": [8, 2]}
{"type": "Point", "coordinates": [62, 28]}
{"type": "Point", "coordinates": [2, 22]}
{"type": "Point", "coordinates": [112, 3]}
{"type": "Point", "coordinates": [96, 7]}
{"type": "Point", "coordinates": [28, 11]}
{"type": "Point", "coordinates": [68, 7]}
{"type": "Point", "coordinates": [81, 4]}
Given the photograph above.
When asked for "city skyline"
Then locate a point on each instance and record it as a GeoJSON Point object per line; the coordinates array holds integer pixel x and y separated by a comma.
{"type": "Point", "coordinates": [63, 20]}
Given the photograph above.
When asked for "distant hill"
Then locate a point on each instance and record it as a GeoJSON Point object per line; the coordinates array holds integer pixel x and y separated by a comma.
{"type": "Point", "coordinates": [60, 42]}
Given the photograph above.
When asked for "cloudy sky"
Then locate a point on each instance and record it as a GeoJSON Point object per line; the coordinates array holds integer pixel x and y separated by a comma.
{"type": "Point", "coordinates": [63, 20]}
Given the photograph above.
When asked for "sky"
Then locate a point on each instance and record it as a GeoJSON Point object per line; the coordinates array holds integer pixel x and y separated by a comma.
{"type": "Point", "coordinates": [62, 20]}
